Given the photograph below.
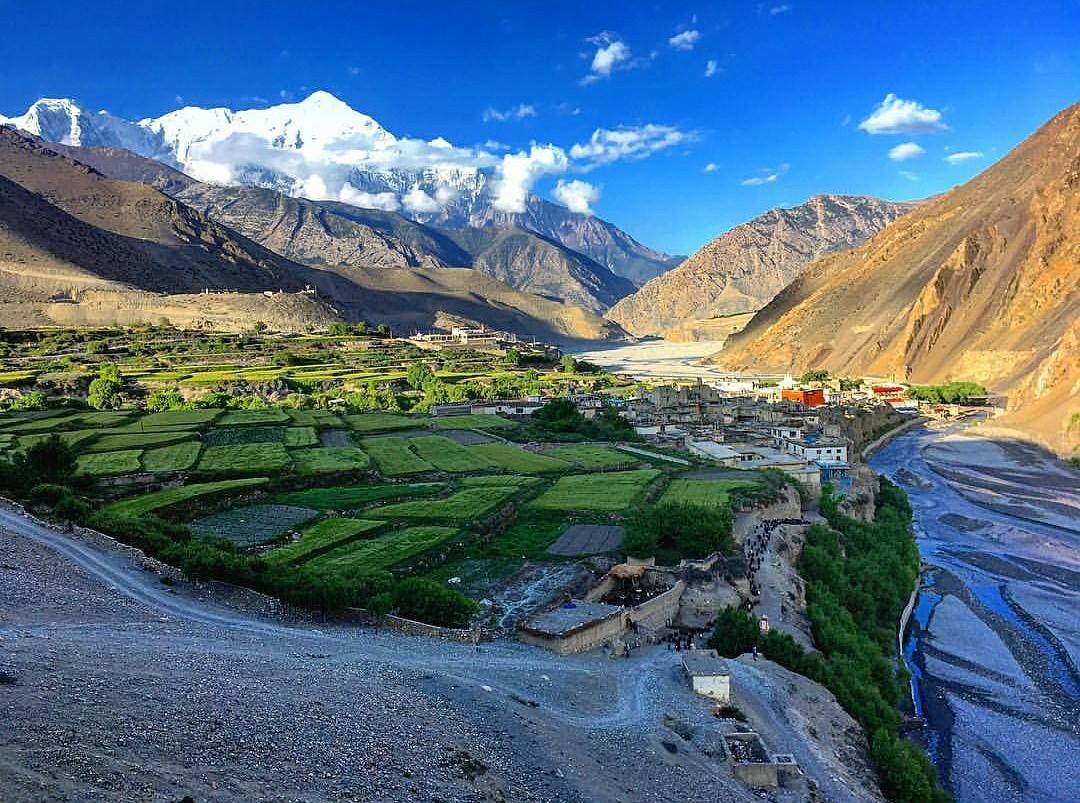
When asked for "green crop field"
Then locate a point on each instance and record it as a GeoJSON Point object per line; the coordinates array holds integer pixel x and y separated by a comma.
{"type": "Point", "coordinates": [448, 455]}
{"type": "Point", "coordinates": [244, 458]}
{"type": "Point", "coordinates": [335, 458]}
{"type": "Point", "coordinates": [384, 552]}
{"type": "Point", "coordinates": [463, 506]}
{"type": "Point", "coordinates": [315, 418]}
{"type": "Point", "coordinates": [178, 457]}
{"type": "Point", "coordinates": [234, 418]}
{"type": "Point", "coordinates": [230, 435]}
{"type": "Point", "coordinates": [301, 436]}
{"type": "Point", "coordinates": [107, 442]}
{"type": "Point", "coordinates": [45, 424]}
{"type": "Point", "coordinates": [109, 464]}
{"type": "Point", "coordinates": [609, 492]}
{"type": "Point", "coordinates": [321, 537]}
{"type": "Point", "coordinates": [592, 456]}
{"type": "Point", "coordinates": [177, 419]}
{"type": "Point", "coordinates": [393, 456]}
{"type": "Point", "coordinates": [470, 421]}
{"type": "Point", "coordinates": [73, 438]}
{"type": "Point", "coordinates": [703, 492]}
{"type": "Point", "coordinates": [366, 423]}
{"type": "Point", "coordinates": [103, 418]}
{"type": "Point", "coordinates": [252, 524]}
{"type": "Point", "coordinates": [500, 481]}
{"type": "Point", "coordinates": [354, 496]}
{"type": "Point", "coordinates": [521, 461]}
{"type": "Point", "coordinates": [158, 500]}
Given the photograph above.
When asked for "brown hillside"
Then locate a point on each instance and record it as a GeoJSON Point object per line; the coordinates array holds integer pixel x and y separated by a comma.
{"type": "Point", "coordinates": [982, 283]}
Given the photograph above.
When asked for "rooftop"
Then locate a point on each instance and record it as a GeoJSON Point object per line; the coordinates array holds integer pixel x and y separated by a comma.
{"type": "Point", "coordinates": [699, 663]}
{"type": "Point", "coordinates": [569, 617]}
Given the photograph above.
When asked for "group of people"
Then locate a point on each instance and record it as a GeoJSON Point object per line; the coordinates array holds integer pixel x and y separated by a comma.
{"type": "Point", "coordinates": [755, 548]}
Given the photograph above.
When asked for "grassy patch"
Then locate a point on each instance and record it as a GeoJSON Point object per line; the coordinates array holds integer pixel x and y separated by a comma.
{"type": "Point", "coordinates": [315, 418]}
{"type": "Point", "coordinates": [447, 455]}
{"type": "Point", "coordinates": [321, 537]}
{"type": "Point", "coordinates": [177, 419]}
{"type": "Point", "coordinates": [244, 458]}
{"type": "Point", "coordinates": [384, 552]}
{"type": "Point", "coordinates": [470, 421]}
{"type": "Point", "coordinates": [74, 438]}
{"type": "Point", "coordinates": [352, 497]}
{"type": "Point", "coordinates": [500, 480]}
{"type": "Point", "coordinates": [148, 503]}
{"type": "Point", "coordinates": [366, 423]}
{"type": "Point", "coordinates": [325, 461]}
{"type": "Point", "coordinates": [102, 419]}
{"type": "Point", "coordinates": [113, 442]}
{"type": "Point", "coordinates": [230, 435]}
{"type": "Point", "coordinates": [520, 461]}
{"type": "Point", "coordinates": [239, 418]}
{"type": "Point", "coordinates": [712, 493]}
{"type": "Point", "coordinates": [178, 457]}
{"type": "Point", "coordinates": [301, 436]}
{"type": "Point", "coordinates": [528, 537]}
{"type": "Point", "coordinates": [393, 456]}
{"type": "Point", "coordinates": [109, 464]}
{"type": "Point", "coordinates": [252, 524]}
{"type": "Point", "coordinates": [610, 492]}
{"type": "Point", "coordinates": [592, 456]}
{"type": "Point", "coordinates": [465, 505]}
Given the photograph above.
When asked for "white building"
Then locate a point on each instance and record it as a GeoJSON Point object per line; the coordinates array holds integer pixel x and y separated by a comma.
{"type": "Point", "coordinates": [721, 453]}
{"type": "Point", "coordinates": [825, 450]}
{"type": "Point", "coordinates": [708, 674]}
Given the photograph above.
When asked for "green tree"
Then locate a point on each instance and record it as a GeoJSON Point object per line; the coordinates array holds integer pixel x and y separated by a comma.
{"type": "Point", "coordinates": [568, 363]}
{"type": "Point", "coordinates": [735, 632]}
{"type": "Point", "coordinates": [104, 392]}
{"type": "Point", "coordinates": [34, 400]}
{"type": "Point", "coordinates": [512, 357]}
{"type": "Point", "coordinates": [814, 376]}
{"type": "Point", "coordinates": [419, 376]}
{"type": "Point", "coordinates": [161, 400]}
{"type": "Point", "coordinates": [339, 330]}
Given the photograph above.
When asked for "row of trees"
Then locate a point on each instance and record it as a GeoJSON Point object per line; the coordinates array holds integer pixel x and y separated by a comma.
{"type": "Point", "coordinates": [948, 393]}
{"type": "Point", "coordinates": [673, 531]}
{"type": "Point", "coordinates": [858, 576]}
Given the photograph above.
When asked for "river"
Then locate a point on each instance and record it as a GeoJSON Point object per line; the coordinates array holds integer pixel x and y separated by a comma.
{"type": "Point", "coordinates": [994, 642]}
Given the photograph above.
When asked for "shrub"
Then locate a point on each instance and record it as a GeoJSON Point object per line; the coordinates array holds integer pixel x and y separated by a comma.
{"type": "Point", "coordinates": [735, 632]}
{"type": "Point", "coordinates": [428, 601]}
{"type": "Point", "coordinates": [673, 531]}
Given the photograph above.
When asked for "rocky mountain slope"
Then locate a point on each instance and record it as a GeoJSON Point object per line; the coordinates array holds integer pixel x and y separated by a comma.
{"type": "Point", "coordinates": [274, 148]}
{"type": "Point", "coordinates": [981, 283]}
{"type": "Point", "coordinates": [741, 270]}
{"type": "Point", "coordinates": [324, 233]}
{"type": "Point", "coordinates": [77, 247]}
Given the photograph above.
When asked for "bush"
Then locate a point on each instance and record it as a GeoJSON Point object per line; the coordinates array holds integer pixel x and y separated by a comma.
{"type": "Point", "coordinates": [735, 633]}
{"type": "Point", "coordinates": [47, 494]}
{"type": "Point", "coordinates": [428, 601]}
{"type": "Point", "coordinates": [676, 530]}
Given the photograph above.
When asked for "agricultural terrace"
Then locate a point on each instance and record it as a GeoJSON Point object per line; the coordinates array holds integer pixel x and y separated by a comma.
{"type": "Point", "coordinates": [614, 491]}
{"type": "Point", "coordinates": [709, 493]}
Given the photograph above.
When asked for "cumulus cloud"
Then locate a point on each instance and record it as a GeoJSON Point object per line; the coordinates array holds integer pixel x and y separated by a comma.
{"type": "Point", "coordinates": [711, 68]}
{"type": "Point", "coordinates": [386, 201]}
{"type": "Point", "coordinates": [629, 142]}
{"type": "Point", "coordinates": [578, 196]}
{"type": "Point", "coordinates": [611, 54]}
{"type": "Point", "coordinates": [711, 167]}
{"type": "Point", "coordinates": [767, 175]}
{"type": "Point", "coordinates": [963, 156]}
{"type": "Point", "coordinates": [895, 115]}
{"type": "Point", "coordinates": [684, 40]}
{"type": "Point", "coordinates": [905, 151]}
{"type": "Point", "coordinates": [776, 11]}
{"type": "Point", "coordinates": [416, 200]}
{"type": "Point", "coordinates": [518, 172]}
{"type": "Point", "coordinates": [519, 112]}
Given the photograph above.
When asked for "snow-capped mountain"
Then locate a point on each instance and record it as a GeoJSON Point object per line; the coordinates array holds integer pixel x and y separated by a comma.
{"type": "Point", "coordinates": [322, 149]}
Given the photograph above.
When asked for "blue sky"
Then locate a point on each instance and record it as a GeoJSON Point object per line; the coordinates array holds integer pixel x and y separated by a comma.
{"type": "Point", "coordinates": [777, 120]}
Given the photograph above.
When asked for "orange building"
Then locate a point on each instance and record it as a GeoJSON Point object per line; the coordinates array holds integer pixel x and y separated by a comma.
{"type": "Point", "coordinates": [815, 397]}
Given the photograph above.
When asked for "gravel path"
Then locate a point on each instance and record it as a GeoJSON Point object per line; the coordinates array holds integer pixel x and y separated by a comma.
{"type": "Point", "coordinates": [115, 686]}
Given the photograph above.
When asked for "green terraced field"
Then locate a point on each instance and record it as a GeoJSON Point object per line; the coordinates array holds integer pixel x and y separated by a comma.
{"type": "Point", "coordinates": [252, 524]}
{"type": "Point", "coordinates": [109, 464]}
{"type": "Point", "coordinates": [500, 480]}
{"type": "Point", "coordinates": [448, 455]}
{"type": "Point", "coordinates": [708, 493]}
{"type": "Point", "coordinates": [463, 506]}
{"type": "Point", "coordinates": [470, 421]}
{"type": "Point", "coordinates": [178, 457]}
{"type": "Point", "coordinates": [520, 461]}
{"type": "Point", "coordinates": [334, 458]}
{"type": "Point", "coordinates": [383, 552]}
{"type": "Point", "coordinates": [352, 497]}
{"type": "Point", "coordinates": [610, 492]}
{"type": "Point", "coordinates": [591, 456]}
{"type": "Point", "coordinates": [367, 423]}
{"type": "Point", "coordinates": [255, 434]}
{"type": "Point", "coordinates": [322, 537]}
{"type": "Point", "coordinates": [158, 500]}
{"type": "Point", "coordinates": [235, 418]}
{"type": "Point", "coordinates": [315, 418]}
{"type": "Point", "coordinates": [108, 442]}
{"type": "Point", "coordinates": [178, 419]}
{"type": "Point", "coordinates": [72, 438]}
{"type": "Point", "coordinates": [393, 457]}
{"type": "Point", "coordinates": [301, 436]}
{"type": "Point", "coordinates": [244, 458]}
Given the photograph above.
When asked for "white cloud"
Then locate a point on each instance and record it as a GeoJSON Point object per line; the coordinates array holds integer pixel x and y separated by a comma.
{"type": "Point", "coordinates": [369, 200]}
{"type": "Point", "coordinates": [630, 142]}
{"type": "Point", "coordinates": [519, 112]}
{"type": "Point", "coordinates": [846, 121]}
{"type": "Point", "coordinates": [578, 196]}
{"type": "Point", "coordinates": [712, 167]}
{"type": "Point", "coordinates": [909, 175]}
{"type": "Point", "coordinates": [963, 156]}
{"type": "Point", "coordinates": [416, 200]}
{"type": "Point", "coordinates": [685, 40]}
{"type": "Point", "coordinates": [611, 54]}
{"type": "Point", "coordinates": [354, 71]}
{"type": "Point", "coordinates": [778, 10]}
{"type": "Point", "coordinates": [895, 115]}
{"type": "Point", "coordinates": [767, 175]}
{"type": "Point", "coordinates": [711, 68]}
{"type": "Point", "coordinates": [518, 172]}
{"type": "Point", "coordinates": [905, 151]}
